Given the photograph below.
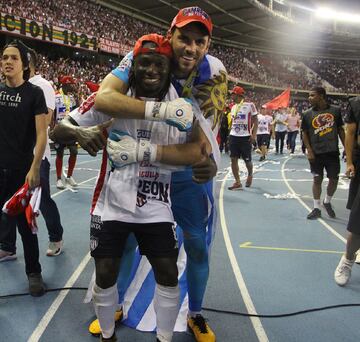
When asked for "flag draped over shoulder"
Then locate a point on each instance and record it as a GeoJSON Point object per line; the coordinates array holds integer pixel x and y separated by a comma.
{"type": "Point", "coordinates": [280, 101]}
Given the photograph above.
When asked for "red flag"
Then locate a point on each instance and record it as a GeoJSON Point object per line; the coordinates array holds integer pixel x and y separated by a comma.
{"type": "Point", "coordinates": [280, 101]}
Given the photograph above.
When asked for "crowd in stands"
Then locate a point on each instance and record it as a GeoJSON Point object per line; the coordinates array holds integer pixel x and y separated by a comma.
{"type": "Point", "coordinates": [242, 64]}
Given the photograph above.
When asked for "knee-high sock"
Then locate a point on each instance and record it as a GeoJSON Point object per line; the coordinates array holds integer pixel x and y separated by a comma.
{"type": "Point", "coordinates": [166, 305]}
{"type": "Point", "coordinates": [72, 162]}
{"type": "Point", "coordinates": [105, 304]}
{"type": "Point", "coordinates": [58, 163]}
{"type": "Point", "coordinates": [197, 271]}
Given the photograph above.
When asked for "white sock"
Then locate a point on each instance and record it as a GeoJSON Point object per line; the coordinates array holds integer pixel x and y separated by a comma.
{"type": "Point", "coordinates": [316, 203]}
{"type": "Point", "coordinates": [166, 306]}
{"type": "Point", "coordinates": [327, 199]}
{"type": "Point", "coordinates": [105, 304]}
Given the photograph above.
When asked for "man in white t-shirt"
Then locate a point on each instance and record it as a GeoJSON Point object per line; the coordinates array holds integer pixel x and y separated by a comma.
{"type": "Point", "coordinates": [47, 205]}
{"type": "Point", "coordinates": [280, 122]}
{"type": "Point", "coordinates": [244, 124]}
{"type": "Point", "coordinates": [263, 134]}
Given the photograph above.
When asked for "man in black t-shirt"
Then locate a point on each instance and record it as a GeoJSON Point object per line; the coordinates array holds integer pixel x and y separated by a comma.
{"type": "Point", "coordinates": [322, 125]}
{"type": "Point", "coordinates": [352, 147]}
{"type": "Point", "coordinates": [22, 128]}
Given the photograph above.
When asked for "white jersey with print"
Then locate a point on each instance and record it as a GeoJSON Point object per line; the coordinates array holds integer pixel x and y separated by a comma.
{"type": "Point", "coordinates": [63, 105]}
{"type": "Point", "coordinates": [241, 115]}
{"type": "Point", "coordinates": [49, 94]}
{"type": "Point", "coordinates": [137, 193]}
{"type": "Point", "coordinates": [264, 122]}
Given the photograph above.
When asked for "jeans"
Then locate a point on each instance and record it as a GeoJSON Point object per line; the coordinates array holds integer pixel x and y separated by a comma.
{"type": "Point", "coordinates": [292, 140]}
{"type": "Point", "coordinates": [10, 181]}
{"type": "Point", "coordinates": [279, 138]}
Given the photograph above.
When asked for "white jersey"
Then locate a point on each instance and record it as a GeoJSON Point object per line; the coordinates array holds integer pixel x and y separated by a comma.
{"type": "Point", "coordinates": [49, 94]}
{"type": "Point", "coordinates": [241, 119]}
{"type": "Point", "coordinates": [279, 127]}
{"type": "Point", "coordinates": [264, 122]}
{"type": "Point", "coordinates": [136, 193]}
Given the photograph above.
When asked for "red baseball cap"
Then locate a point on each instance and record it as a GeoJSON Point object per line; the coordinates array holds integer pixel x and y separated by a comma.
{"type": "Point", "coordinates": [192, 14]}
{"type": "Point", "coordinates": [238, 90]}
{"type": "Point", "coordinates": [162, 45]}
{"type": "Point", "coordinates": [67, 80]}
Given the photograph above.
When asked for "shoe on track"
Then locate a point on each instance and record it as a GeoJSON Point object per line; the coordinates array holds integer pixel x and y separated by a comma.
{"type": "Point", "coordinates": [94, 327]}
{"type": "Point", "coordinates": [235, 186]}
{"type": "Point", "coordinates": [330, 211]}
{"type": "Point", "coordinates": [200, 329]}
{"type": "Point", "coordinates": [36, 284]}
{"type": "Point", "coordinates": [111, 339]}
{"type": "Point", "coordinates": [343, 271]}
{"type": "Point", "coordinates": [314, 214]}
{"type": "Point", "coordinates": [55, 248]}
{"type": "Point", "coordinates": [59, 184]}
{"type": "Point", "coordinates": [7, 256]}
{"type": "Point", "coordinates": [71, 181]}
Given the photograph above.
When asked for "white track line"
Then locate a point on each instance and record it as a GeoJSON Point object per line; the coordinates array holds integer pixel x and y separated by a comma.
{"type": "Point", "coordinates": [326, 225]}
{"type": "Point", "coordinates": [259, 329]}
{"type": "Point", "coordinates": [39, 330]}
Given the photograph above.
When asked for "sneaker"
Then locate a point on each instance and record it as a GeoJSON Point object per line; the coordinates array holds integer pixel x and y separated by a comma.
{"type": "Point", "coordinates": [330, 211]}
{"type": "Point", "coordinates": [235, 186]}
{"type": "Point", "coordinates": [59, 184]}
{"type": "Point", "coordinates": [248, 181]}
{"type": "Point", "coordinates": [55, 248]}
{"type": "Point", "coordinates": [343, 271]}
{"type": "Point", "coordinates": [111, 339]}
{"type": "Point", "coordinates": [36, 285]}
{"type": "Point", "coordinates": [314, 214]}
{"type": "Point", "coordinates": [94, 327]}
{"type": "Point", "coordinates": [200, 329]}
{"type": "Point", "coordinates": [71, 181]}
{"type": "Point", "coordinates": [7, 256]}
{"type": "Point", "coordinates": [357, 260]}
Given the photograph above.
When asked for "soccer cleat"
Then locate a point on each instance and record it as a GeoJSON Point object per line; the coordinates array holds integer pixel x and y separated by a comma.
{"type": "Point", "coordinates": [235, 186]}
{"type": "Point", "coordinates": [330, 211]}
{"type": "Point", "coordinates": [36, 284]}
{"type": "Point", "coordinates": [200, 329]}
{"type": "Point", "coordinates": [94, 327]}
{"type": "Point", "coordinates": [249, 181]}
{"type": "Point", "coordinates": [55, 248]}
{"type": "Point", "coordinates": [71, 181]}
{"type": "Point", "coordinates": [314, 214]}
{"type": "Point", "coordinates": [343, 271]}
{"type": "Point", "coordinates": [59, 184]}
{"type": "Point", "coordinates": [7, 256]}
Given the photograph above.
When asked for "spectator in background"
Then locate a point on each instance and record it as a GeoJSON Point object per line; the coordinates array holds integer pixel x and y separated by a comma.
{"type": "Point", "coordinates": [244, 124]}
{"type": "Point", "coordinates": [293, 121]}
{"type": "Point", "coordinates": [65, 103]}
{"type": "Point", "coordinates": [280, 129]}
{"type": "Point", "coordinates": [321, 126]}
{"type": "Point", "coordinates": [23, 110]}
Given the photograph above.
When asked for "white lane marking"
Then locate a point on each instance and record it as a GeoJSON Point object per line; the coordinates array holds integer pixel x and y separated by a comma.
{"type": "Point", "coordinates": [326, 225]}
{"type": "Point", "coordinates": [39, 330]}
{"type": "Point", "coordinates": [70, 189]}
{"type": "Point", "coordinates": [259, 329]}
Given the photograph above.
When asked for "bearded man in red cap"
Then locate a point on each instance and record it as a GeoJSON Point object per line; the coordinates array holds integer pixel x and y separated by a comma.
{"type": "Point", "coordinates": [242, 135]}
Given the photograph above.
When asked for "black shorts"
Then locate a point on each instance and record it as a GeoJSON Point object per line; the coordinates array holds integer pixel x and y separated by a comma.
{"type": "Point", "coordinates": [108, 238]}
{"type": "Point", "coordinates": [328, 161]}
{"type": "Point", "coordinates": [354, 202]}
{"type": "Point", "coordinates": [263, 139]}
{"type": "Point", "coordinates": [240, 147]}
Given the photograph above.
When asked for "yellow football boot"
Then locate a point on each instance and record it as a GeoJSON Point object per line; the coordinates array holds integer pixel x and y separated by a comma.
{"type": "Point", "coordinates": [200, 329]}
{"type": "Point", "coordinates": [94, 327]}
